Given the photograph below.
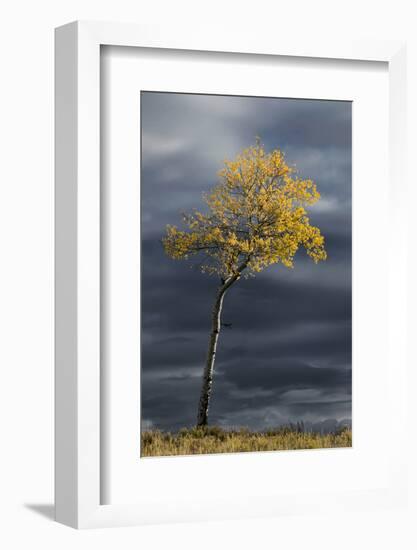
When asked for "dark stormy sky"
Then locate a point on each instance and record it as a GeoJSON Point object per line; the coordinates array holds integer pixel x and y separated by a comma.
{"type": "Point", "coordinates": [287, 357]}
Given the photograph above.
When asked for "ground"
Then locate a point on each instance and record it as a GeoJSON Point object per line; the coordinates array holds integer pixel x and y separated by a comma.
{"type": "Point", "coordinates": [212, 440]}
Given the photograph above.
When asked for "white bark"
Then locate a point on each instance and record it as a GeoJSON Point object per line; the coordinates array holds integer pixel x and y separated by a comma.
{"type": "Point", "coordinates": [207, 384]}
{"type": "Point", "coordinates": [211, 356]}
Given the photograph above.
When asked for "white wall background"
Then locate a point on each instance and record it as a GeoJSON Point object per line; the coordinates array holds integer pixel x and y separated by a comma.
{"type": "Point", "coordinates": [26, 272]}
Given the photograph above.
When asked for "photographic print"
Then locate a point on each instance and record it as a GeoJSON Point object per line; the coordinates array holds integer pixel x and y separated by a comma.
{"type": "Point", "coordinates": [246, 332]}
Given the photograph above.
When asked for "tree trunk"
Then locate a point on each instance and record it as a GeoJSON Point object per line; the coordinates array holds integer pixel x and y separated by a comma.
{"type": "Point", "coordinates": [206, 387]}
{"type": "Point", "coordinates": [211, 356]}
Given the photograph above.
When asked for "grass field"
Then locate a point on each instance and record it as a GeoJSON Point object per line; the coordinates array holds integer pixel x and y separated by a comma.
{"type": "Point", "coordinates": [212, 440]}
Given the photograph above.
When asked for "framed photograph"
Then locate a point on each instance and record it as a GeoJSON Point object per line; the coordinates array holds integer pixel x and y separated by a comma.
{"type": "Point", "coordinates": [230, 275]}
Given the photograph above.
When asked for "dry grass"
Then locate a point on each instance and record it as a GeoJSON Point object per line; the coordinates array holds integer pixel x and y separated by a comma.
{"type": "Point", "coordinates": [213, 440]}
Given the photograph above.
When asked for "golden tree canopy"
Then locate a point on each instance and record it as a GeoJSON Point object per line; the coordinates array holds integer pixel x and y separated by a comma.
{"type": "Point", "coordinates": [255, 217]}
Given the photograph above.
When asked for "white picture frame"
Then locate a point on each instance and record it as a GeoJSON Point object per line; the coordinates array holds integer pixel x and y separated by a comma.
{"type": "Point", "coordinates": [78, 405]}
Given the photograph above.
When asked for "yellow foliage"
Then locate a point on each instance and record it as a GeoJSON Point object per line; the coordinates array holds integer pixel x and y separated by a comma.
{"type": "Point", "coordinates": [256, 217]}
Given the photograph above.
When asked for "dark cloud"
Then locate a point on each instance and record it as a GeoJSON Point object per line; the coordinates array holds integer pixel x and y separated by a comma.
{"type": "Point", "coordinates": [287, 356]}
